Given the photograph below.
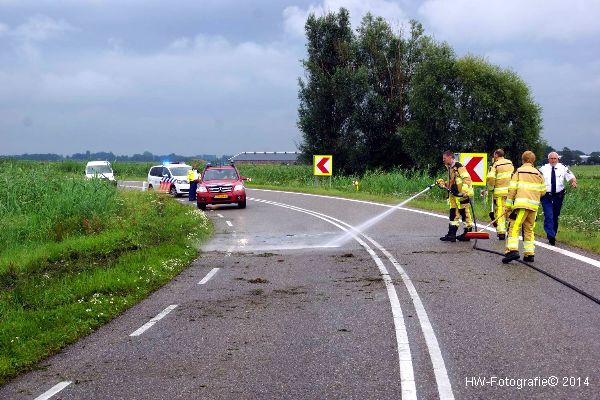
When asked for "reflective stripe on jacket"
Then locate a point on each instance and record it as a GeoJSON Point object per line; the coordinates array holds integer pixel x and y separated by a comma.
{"type": "Point", "coordinates": [457, 174]}
{"type": "Point", "coordinates": [526, 188]}
{"type": "Point", "coordinates": [498, 178]}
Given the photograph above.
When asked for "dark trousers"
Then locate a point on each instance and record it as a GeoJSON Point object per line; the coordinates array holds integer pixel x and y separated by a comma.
{"type": "Point", "coordinates": [193, 187]}
{"type": "Point", "coordinates": [552, 203]}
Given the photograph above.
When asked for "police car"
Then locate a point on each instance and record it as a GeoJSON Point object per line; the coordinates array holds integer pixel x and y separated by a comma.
{"type": "Point", "coordinates": [172, 175]}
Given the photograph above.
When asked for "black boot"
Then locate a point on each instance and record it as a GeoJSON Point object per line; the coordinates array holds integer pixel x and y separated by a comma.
{"type": "Point", "coordinates": [529, 258]}
{"type": "Point", "coordinates": [451, 235]}
{"type": "Point", "coordinates": [462, 237]}
{"type": "Point", "coordinates": [510, 256]}
{"type": "Point", "coordinates": [501, 236]}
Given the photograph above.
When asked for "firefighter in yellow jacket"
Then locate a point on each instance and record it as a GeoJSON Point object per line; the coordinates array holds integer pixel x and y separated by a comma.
{"type": "Point", "coordinates": [459, 190]}
{"type": "Point", "coordinates": [498, 180]}
{"type": "Point", "coordinates": [524, 192]}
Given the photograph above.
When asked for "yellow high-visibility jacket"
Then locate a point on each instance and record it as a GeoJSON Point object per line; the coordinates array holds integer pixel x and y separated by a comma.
{"type": "Point", "coordinates": [498, 179]}
{"type": "Point", "coordinates": [526, 188]}
{"type": "Point", "coordinates": [458, 175]}
{"type": "Point", "coordinates": [192, 175]}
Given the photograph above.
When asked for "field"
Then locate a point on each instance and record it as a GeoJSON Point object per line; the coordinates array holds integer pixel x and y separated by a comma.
{"type": "Point", "coordinates": [78, 252]}
{"type": "Point", "coordinates": [580, 217]}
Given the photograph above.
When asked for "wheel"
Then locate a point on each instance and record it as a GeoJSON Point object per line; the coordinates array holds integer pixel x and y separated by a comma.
{"type": "Point", "coordinates": [173, 191]}
{"type": "Point", "coordinates": [150, 187]}
{"type": "Point", "coordinates": [242, 204]}
{"type": "Point", "coordinates": [201, 206]}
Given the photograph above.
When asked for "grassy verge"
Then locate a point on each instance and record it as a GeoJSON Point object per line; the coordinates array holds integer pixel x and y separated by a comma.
{"type": "Point", "coordinates": [77, 253]}
{"type": "Point", "coordinates": [580, 219]}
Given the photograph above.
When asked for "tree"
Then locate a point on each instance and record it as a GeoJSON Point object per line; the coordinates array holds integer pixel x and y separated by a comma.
{"type": "Point", "coordinates": [329, 92]}
{"type": "Point", "coordinates": [495, 110]}
{"type": "Point", "coordinates": [387, 62]}
{"type": "Point", "coordinates": [568, 156]}
{"type": "Point", "coordinates": [433, 124]}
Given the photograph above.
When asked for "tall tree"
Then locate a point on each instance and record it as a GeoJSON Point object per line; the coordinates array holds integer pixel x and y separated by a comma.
{"type": "Point", "coordinates": [328, 93]}
{"type": "Point", "coordinates": [495, 109]}
{"type": "Point", "coordinates": [433, 124]}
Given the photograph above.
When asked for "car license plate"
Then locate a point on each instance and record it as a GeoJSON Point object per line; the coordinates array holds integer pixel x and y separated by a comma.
{"type": "Point", "coordinates": [221, 196]}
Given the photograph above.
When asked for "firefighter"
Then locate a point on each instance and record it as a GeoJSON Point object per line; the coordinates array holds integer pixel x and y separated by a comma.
{"type": "Point", "coordinates": [498, 180]}
{"type": "Point", "coordinates": [524, 192]}
{"type": "Point", "coordinates": [459, 191]}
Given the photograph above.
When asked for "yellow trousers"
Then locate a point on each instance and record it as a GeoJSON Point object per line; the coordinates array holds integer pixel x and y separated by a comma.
{"type": "Point", "coordinates": [524, 219]}
{"type": "Point", "coordinates": [459, 208]}
{"type": "Point", "coordinates": [499, 210]}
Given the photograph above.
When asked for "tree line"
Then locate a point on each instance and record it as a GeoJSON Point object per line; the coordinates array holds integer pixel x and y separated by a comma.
{"type": "Point", "coordinates": [110, 156]}
{"type": "Point", "coordinates": [380, 98]}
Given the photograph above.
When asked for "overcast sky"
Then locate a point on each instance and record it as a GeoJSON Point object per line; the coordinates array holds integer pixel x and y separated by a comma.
{"type": "Point", "coordinates": [220, 76]}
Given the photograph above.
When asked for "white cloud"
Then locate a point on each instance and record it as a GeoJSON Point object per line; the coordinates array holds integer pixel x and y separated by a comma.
{"type": "Point", "coordinates": [40, 28]}
{"type": "Point", "coordinates": [3, 28]}
{"type": "Point", "coordinates": [295, 17]}
{"type": "Point", "coordinates": [82, 87]}
{"type": "Point", "coordinates": [501, 20]}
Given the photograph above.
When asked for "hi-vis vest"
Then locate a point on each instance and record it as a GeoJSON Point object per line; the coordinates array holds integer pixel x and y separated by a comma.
{"type": "Point", "coordinates": [526, 188]}
{"type": "Point", "coordinates": [457, 174]}
{"type": "Point", "coordinates": [498, 179]}
{"type": "Point", "coordinates": [192, 175]}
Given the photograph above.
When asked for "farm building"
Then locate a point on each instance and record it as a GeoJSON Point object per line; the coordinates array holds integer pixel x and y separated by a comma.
{"type": "Point", "coordinates": [266, 157]}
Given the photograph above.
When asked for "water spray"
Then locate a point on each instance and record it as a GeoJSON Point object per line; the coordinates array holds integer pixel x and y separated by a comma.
{"type": "Point", "coordinates": [369, 223]}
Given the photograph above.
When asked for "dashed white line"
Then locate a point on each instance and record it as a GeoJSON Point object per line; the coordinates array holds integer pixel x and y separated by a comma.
{"type": "Point", "coordinates": [54, 390]}
{"type": "Point", "coordinates": [229, 223]}
{"type": "Point", "coordinates": [208, 276]}
{"type": "Point", "coordinates": [154, 320]}
{"type": "Point", "coordinates": [220, 215]}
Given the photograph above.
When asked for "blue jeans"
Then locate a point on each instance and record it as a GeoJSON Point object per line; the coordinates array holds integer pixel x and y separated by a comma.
{"type": "Point", "coordinates": [193, 187]}
{"type": "Point", "coordinates": [552, 205]}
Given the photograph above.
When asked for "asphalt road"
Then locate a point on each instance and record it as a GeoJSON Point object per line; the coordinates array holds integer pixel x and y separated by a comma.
{"type": "Point", "coordinates": [272, 310]}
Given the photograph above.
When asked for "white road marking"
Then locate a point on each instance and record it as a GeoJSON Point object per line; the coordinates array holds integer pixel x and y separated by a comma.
{"type": "Point", "coordinates": [154, 320]}
{"type": "Point", "coordinates": [229, 223]}
{"type": "Point", "coordinates": [220, 215]}
{"type": "Point", "coordinates": [407, 378]}
{"type": "Point", "coordinates": [54, 390]}
{"type": "Point", "coordinates": [208, 276]}
{"type": "Point", "coordinates": [576, 256]}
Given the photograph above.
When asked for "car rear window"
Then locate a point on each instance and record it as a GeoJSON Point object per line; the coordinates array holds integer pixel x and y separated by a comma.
{"type": "Point", "coordinates": [220, 174]}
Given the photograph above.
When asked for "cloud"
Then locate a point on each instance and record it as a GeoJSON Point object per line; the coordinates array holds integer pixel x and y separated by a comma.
{"type": "Point", "coordinates": [40, 28]}
{"type": "Point", "coordinates": [82, 87]}
{"type": "Point", "coordinates": [502, 20]}
{"type": "Point", "coordinates": [194, 88]}
{"type": "Point", "coordinates": [295, 17]}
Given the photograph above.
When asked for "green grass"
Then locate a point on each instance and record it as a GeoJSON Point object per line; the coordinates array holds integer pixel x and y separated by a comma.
{"type": "Point", "coordinates": [580, 217]}
{"type": "Point", "coordinates": [77, 254]}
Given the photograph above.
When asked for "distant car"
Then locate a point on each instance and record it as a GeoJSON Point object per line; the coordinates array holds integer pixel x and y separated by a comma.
{"type": "Point", "coordinates": [174, 176]}
{"type": "Point", "coordinates": [221, 185]}
{"type": "Point", "coordinates": [101, 170]}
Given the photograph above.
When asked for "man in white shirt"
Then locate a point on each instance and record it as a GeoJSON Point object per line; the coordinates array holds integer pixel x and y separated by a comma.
{"type": "Point", "coordinates": [555, 175]}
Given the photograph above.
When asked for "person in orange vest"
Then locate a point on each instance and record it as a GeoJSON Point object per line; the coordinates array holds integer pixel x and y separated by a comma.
{"type": "Point", "coordinates": [524, 192]}
{"type": "Point", "coordinates": [459, 190]}
{"type": "Point", "coordinates": [498, 180]}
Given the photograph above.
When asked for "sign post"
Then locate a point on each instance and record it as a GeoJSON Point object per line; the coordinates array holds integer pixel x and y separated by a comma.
{"type": "Point", "coordinates": [323, 166]}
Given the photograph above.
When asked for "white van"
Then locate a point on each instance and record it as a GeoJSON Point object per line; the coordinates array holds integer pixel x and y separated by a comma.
{"type": "Point", "coordinates": [99, 169]}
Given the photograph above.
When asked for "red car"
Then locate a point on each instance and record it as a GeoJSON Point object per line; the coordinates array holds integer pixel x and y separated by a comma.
{"type": "Point", "coordinates": [221, 185]}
